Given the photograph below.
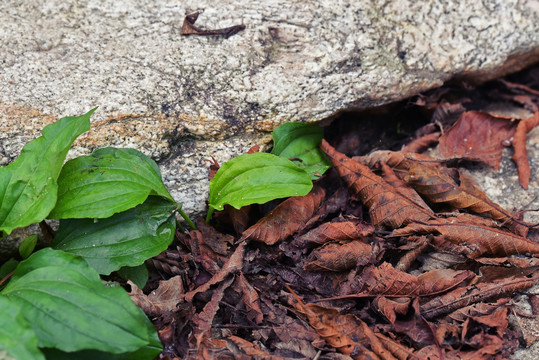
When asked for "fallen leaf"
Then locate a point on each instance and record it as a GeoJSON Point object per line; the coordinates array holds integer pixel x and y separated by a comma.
{"type": "Point", "coordinates": [386, 205]}
{"type": "Point", "coordinates": [189, 28]}
{"type": "Point", "coordinates": [163, 299]}
{"type": "Point", "coordinates": [477, 136]}
{"type": "Point", "coordinates": [346, 333]}
{"type": "Point", "coordinates": [250, 299]}
{"type": "Point", "coordinates": [481, 292]}
{"type": "Point", "coordinates": [422, 143]}
{"type": "Point", "coordinates": [249, 350]}
{"type": "Point", "coordinates": [478, 239]}
{"type": "Point", "coordinates": [287, 218]}
{"type": "Point", "coordinates": [334, 231]}
{"type": "Point", "coordinates": [519, 144]}
{"type": "Point", "coordinates": [340, 257]}
{"type": "Point", "coordinates": [438, 186]}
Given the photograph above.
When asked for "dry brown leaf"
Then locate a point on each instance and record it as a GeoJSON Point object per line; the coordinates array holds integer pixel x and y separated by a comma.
{"type": "Point", "coordinates": [340, 256]}
{"type": "Point", "coordinates": [391, 307]}
{"type": "Point", "coordinates": [407, 259]}
{"type": "Point", "coordinates": [422, 143]}
{"type": "Point", "coordinates": [477, 136]}
{"type": "Point", "coordinates": [392, 179]}
{"type": "Point", "coordinates": [250, 298]}
{"type": "Point", "coordinates": [189, 28]}
{"type": "Point", "coordinates": [335, 231]}
{"type": "Point", "coordinates": [398, 350]}
{"type": "Point", "coordinates": [287, 218]}
{"type": "Point", "coordinates": [250, 350]}
{"type": "Point", "coordinates": [481, 292]}
{"type": "Point", "coordinates": [232, 266]}
{"type": "Point", "coordinates": [386, 205]}
{"type": "Point", "coordinates": [163, 299]}
{"type": "Point", "coordinates": [438, 186]}
{"type": "Point", "coordinates": [395, 159]}
{"type": "Point", "coordinates": [346, 333]}
{"type": "Point", "coordinates": [519, 144]}
{"type": "Point", "coordinates": [478, 239]}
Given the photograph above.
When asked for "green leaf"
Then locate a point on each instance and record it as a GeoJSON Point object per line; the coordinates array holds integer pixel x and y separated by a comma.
{"type": "Point", "coordinates": [256, 178]}
{"type": "Point", "coordinates": [137, 274]}
{"type": "Point", "coordinates": [124, 239]}
{"type": "Point", "coordinates": [27, 246]}
{"type": "Point", "coordinates": [64, 301]}
{"type": "Point", "coordinates": [150, 351]}
{"type": "Point", "coordinates": [28, 185]}
{"type": "Point", "coordinates": [300, 141]}
{"type": "Point", "coordinates": [106, 182]}
{"type": "Point", "coordinates": [17, 339]}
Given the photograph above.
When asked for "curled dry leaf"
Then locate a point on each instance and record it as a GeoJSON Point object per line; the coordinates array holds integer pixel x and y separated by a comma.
{"type": "Point", "coordinates": [340, 257]}
{"type": "Point", "coordinates": [481, 292]}
{"type": "Point", "coordinates": [346, 333]}
{"type": "Point", "coordinates": [422, 143]}
{"type": "Point", "coordinates": [391, 307]}
{"type": "Point", "coordinates": [519, 144]}
{"type": "Point", "coordinates": [478, 239]}
{"type": "Point", "coordinates": [335, 231]}
{"type": "Point", "coordinates": [437, 185]}
{"type": "Point", "coordinates": [189, 28]}
{"type": "Point", "coordinates": [478, 309]}
{"type": "Point", "coordinates": [287, 218]}
{"type": "Point", "coordinates": [250, 298]}
{"type": "Point", "coordinates": [477, 136]}
{"type": "Point", "coordinates": [398, 350]}
{"type": "Point", "coordinates": [395, 159]}
{"type": "Point", "coordinates": [386, 205]}
{"type": "Point", "coordinates": [407, 259]}
{"type": "Point", "coordinates": [246, 349]}
{"type": "Point", "coordinates": [163, 299]}
{"type": "Point", "coordinates": [392, 179]}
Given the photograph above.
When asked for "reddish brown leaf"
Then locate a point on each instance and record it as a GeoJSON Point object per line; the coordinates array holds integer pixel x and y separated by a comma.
{"type": "Point", "coordinates": [392, 179]}
{"type": "Point", "coordinates": [346, 333]}
{"type": "Point", "coordinates": [406, 261]}
{"type": "Point", "coordinates": [438, 186]}
{"type": "Point", "coordinates": [519, 144]}
{"type": "Point", "coordinates": [163, 299]}
{"type": "Point", "coordinates": [422, 143]}
{"type": "Point", "coordinates": [398, 350]}
{"type": "Point", "coordinates": [215, 240]}
{"type": "Point", "coordinates": [477, 238]}
{"type": "Point", "coordinates": [214, 167]}
{"type": "Point", "coordinates": [390, 307]}
{"type": "Point", "coordinates": [249, 350]}
{"type": "Point", "coordinates": [340, 257]}
{"type": "Point", "coordinates": [203, 320]}
{"type": "Point", "coordinates": [250, 298]}
{"type": "Point", "coordinates": [239, 217]}
{"type": "Point", "coordinates": [481, 292]}
{"type": "Point", "coordinates": [335, 231]}
{"type": "Point", "coordinates": [287, 218]}
{"type": "Point", "coordinates": [477, 136]}
{"type": "Point", "coordinates": [395, 159]}
{"type": "Point", "coordinates": [232, 266]}
{"type": "Point", "coordinates": [386, 205]}
{"type": "Point", "coordinates": [189, 28]}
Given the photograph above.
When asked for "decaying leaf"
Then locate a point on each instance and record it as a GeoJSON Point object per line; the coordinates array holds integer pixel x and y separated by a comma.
{"type": "Point", "coordinates": [340, 257]}
{"type": "Point", "coordinates": [346, 333]}
{"type": "Point", "coordinates": [478, 239]}
{"type": "Point", "coordinates": [477, 136]}
{"type": "Point", "coordinates": [386, 206]}
{"type": "Point", "coordinates": [287, 218]}
{"type": "Point", "coordinates": [189, 28]}
{"type": "Point", "coordinates": [519, 144]}
{"type": "Point", "coordinates": [481, 292]}
{"type": "Point", "coordinates": [335, 231]}
{"type": "Point", "coordinates": [163, 299]}
{"type": "Point", "coordinates": [439, 186]}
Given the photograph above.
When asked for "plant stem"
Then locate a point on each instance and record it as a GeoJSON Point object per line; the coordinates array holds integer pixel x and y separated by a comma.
{"type": "Point", "coordinates": [187, 219]}
{"type": "Point", "coordinates": [208, 217]}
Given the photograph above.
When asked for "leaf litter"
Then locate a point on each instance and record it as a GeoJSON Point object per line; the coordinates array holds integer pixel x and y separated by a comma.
{"type": "Point", "coordinates": [392, 255]}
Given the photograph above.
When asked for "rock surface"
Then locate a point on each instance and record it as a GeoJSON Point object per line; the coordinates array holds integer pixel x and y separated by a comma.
{"type": "Point", "coordinates": [181, 99]}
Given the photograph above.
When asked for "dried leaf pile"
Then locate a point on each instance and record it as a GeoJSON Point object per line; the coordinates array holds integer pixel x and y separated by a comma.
{"type": "Point", "coordinates": [392, 255]}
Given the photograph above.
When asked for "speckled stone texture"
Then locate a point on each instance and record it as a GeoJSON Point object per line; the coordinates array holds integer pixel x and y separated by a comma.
{"type": "Point", "coordinates": [181, 99]}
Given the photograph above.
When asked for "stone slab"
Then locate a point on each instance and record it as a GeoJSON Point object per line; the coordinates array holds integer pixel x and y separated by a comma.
{"type": "Point", "coordinates": [181, 99]}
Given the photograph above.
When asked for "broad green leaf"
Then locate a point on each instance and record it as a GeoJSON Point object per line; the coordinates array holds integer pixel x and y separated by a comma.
{"type": "Point", "coordinates": [137, 274]}
{"type": "Point", "coordinates": [28, 185]}
{"type": "Point", "coordinates": [256, 178]}
{"type": "Point", "coordinates": [64, 301]}
{"type": "Point", "coordinates": [124, 239]}
{"type": "Point", "coordinates": [147, 352]}
{"type": "Point", "coordinates": [27, 246]}
{"type": "Point", "coordinates": [17, 339]}
{"type": "Point", "coordinates": [106, 182]}
{"type": "Point", "coordinates": [300, 141]}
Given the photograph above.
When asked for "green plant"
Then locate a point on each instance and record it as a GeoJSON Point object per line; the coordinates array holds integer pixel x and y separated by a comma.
{"type": "Point", "coordinates": [114, 213]}
{"type": "Point", "coordinates": [289, 170]}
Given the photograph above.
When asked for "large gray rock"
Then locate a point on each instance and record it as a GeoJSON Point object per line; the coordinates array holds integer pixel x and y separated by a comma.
{"type": "Point", "coordinates": [181, 99]}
